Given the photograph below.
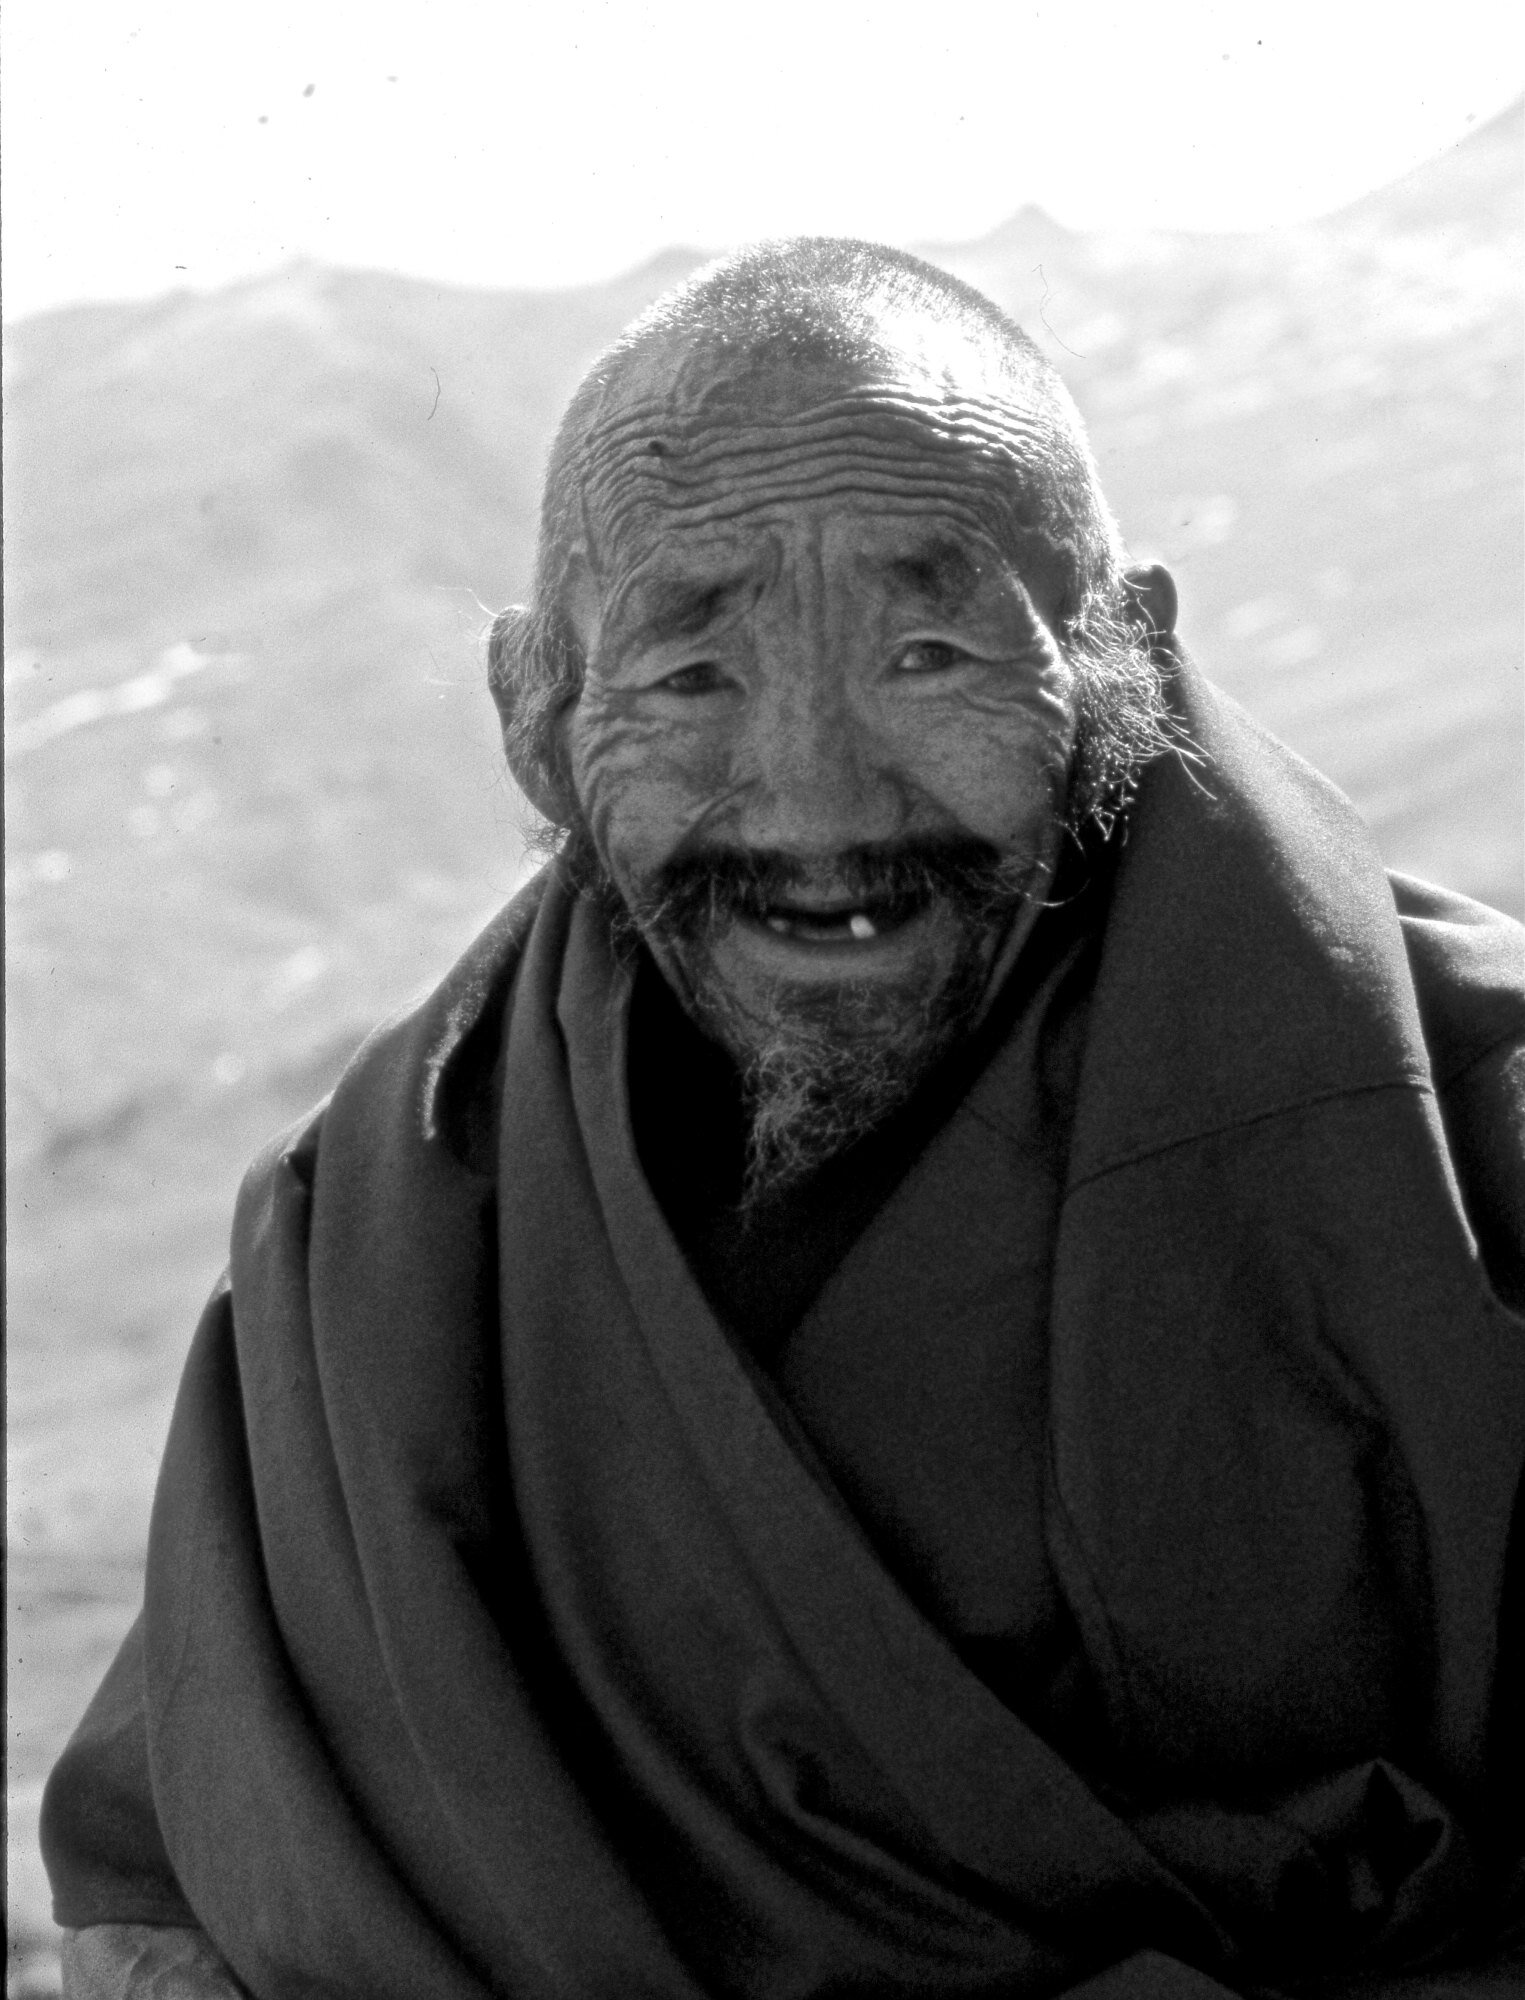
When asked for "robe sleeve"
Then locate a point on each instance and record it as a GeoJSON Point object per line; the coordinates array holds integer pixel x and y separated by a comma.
{"type": "Point", "coordinates": [144, 1962]}
{"type": "Point", "coordinates": [100, 1834]}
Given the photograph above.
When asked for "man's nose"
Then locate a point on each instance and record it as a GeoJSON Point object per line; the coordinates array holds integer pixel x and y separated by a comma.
{"type": "Point", "coordinates": [818, 779]}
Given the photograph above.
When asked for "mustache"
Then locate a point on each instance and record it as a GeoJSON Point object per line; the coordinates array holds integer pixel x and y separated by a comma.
{"type": "Point", "coordinates": [700, 893]}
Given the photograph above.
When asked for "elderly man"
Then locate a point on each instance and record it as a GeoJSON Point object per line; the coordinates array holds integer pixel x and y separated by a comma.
{"type": "Point", "coordinates": [910, 1381]}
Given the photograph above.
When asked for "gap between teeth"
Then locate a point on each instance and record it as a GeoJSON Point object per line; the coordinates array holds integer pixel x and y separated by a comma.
{"type": "Point", "coordinates": [861, 926]}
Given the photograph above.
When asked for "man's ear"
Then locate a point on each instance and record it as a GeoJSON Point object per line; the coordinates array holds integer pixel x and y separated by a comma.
{"type": "Point", "coordinates": [535, 769]}
{"type": "Point", "coordinates": [1150, 597]}
{"type": "Point", "coordinates": [540, 782]}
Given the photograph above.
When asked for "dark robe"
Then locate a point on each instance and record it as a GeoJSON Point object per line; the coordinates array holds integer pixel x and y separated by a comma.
{"type": "Point", "coordinates": [514, 1626]}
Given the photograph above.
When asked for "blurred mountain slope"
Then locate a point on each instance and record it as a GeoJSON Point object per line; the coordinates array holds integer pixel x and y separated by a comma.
{"type": "Point", "coordinates": [1319, 430]}
{"type": "Point", "coordinates": [254, 793]}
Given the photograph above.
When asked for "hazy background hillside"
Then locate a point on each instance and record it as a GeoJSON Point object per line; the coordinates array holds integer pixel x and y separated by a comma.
{"type": "Point", "coordinates": [254, 799]}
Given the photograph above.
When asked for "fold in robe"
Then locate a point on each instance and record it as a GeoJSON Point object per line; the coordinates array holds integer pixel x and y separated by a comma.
{"type": "Point", "coordinates": [506, 1631]}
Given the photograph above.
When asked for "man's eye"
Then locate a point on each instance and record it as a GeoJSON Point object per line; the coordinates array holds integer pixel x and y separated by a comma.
{"type": "Point", "coordinates": [929, 656]}
{"type": "Point", "coordinates": [703, 677]}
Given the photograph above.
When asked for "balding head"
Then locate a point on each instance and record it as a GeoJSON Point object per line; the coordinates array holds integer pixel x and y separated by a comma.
{"type": "Point", "coordinates": [797, 318]}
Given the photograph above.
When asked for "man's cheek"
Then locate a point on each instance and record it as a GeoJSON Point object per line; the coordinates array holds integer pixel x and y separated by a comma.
{"type": "Point", "coordinates": [1004, 784]}
{"type": "Point", "coordinates": [643, 788]}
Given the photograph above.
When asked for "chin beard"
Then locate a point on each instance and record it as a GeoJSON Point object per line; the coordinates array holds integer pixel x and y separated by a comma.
{"type": "Point", "coordinates": [820, 1070]}
{"type": "Point", "coordinates": [821, 1066]}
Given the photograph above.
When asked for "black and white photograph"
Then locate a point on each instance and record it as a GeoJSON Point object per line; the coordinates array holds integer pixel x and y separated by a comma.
{"type": "Point", "coordinates": [765, 1000]}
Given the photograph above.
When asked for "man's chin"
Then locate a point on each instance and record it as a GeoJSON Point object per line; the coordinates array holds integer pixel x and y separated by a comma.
{"type": "Point", "coordinates": [831, 1035]}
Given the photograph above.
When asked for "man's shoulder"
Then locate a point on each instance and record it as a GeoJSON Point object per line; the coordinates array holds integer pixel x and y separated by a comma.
{"type": "Point", "coordinates": [1468, 968]}
{"type": "Point", "coordinates": [424, 1077]}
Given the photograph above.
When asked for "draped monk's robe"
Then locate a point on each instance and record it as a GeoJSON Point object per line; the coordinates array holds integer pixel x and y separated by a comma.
{"type": "Point", "coordinates": [512, 1627]}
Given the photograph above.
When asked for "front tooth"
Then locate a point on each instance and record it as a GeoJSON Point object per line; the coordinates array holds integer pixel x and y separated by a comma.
{"type": "Point", "coordinates": [861, 926]}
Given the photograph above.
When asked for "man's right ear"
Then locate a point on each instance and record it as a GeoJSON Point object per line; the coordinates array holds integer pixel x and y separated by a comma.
{"type": "Point", "coordinates": [1151, 600]}
{"type": "Point", "coordinates": [534, 768]}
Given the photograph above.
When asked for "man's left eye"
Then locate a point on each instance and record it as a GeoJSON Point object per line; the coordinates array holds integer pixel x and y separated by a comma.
{"type": "Point", "coordinates": [703, 677]}
{"type": "Point", "coordinates": [929, 656]}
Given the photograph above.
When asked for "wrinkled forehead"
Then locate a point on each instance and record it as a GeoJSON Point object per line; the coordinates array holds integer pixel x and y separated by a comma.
{"type": "Point", "coordinates": [704, 447]}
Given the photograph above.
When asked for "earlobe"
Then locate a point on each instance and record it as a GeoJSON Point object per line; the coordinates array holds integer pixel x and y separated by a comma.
{"type": "Point", "coordinates": [503, 642]}
{"type": "Point", "coordinates": [536, 782]}
{"type": "Point", "coordinates": [1151, 599]}
{"type": "Point", "coordinates": [525, 749]}
{"type": "Point", "coordinates": [535, 765]}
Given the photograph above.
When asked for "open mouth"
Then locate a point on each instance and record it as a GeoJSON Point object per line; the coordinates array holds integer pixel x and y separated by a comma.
{"type": "Point", "coordinates": [870, 905]}
{"type": "Point", "coordinates": [846, 923]}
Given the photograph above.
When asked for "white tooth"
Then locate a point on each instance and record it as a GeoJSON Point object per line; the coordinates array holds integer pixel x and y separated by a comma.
{"type": "Point", "coordinates": [861, 926]}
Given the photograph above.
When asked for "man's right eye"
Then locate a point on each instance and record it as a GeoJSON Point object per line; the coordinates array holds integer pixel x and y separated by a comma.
{"type": "Point", "coordinates": [703, 677]}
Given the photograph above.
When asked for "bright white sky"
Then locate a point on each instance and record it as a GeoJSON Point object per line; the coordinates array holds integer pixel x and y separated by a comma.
{"type": "Point", "coordinates": [548, 142]}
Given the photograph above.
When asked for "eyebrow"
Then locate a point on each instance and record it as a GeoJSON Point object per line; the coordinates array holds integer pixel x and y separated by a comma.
{"type": "Point", "coordinates": [679, 607]}
{"type": "Point", "coordinates": [940, 574]}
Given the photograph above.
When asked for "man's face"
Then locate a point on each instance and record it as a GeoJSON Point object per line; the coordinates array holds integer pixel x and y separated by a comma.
{"type": "Point", "coordinates": [821, 744]}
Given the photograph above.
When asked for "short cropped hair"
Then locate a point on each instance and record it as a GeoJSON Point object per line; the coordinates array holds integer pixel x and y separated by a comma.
{"type": "Point", "coordinates": [828, 299]}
